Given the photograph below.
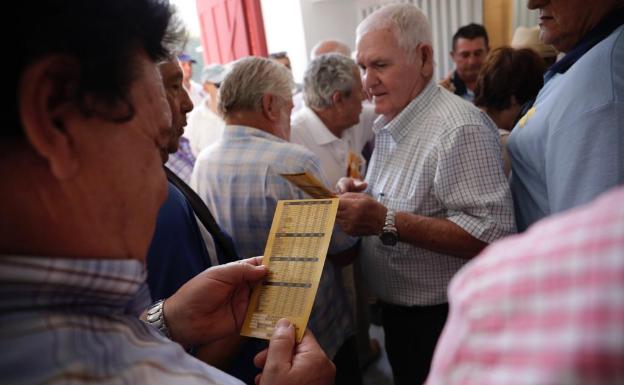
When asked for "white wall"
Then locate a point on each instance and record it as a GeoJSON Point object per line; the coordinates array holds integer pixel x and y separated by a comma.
{"type": "Point", "coordinates": [296, 26]}
{"type": "Point", "coordinates": [329, 19]}
{"type": "Point", "coordinates": [283, 26]}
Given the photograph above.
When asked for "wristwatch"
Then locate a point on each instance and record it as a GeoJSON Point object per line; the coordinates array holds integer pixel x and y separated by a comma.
{"type": "Point", "coordinates": [156, 317]}
{"type": "Point", "coordinates": [389, 235]}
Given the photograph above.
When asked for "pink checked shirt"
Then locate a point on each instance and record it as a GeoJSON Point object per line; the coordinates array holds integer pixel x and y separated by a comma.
{"type": "Point", "coordinates": [544, 307]}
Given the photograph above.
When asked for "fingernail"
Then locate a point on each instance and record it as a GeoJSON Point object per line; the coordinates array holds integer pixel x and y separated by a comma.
{"type": "Point", "coordinates": [282, 324]}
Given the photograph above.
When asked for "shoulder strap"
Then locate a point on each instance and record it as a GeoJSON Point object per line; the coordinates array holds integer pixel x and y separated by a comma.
{"type": "Point", "coordinates": [204, 215]}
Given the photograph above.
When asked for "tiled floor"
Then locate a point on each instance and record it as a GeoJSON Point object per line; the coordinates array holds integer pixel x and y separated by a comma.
{"type": "Point", "coordinates": [379, 372]}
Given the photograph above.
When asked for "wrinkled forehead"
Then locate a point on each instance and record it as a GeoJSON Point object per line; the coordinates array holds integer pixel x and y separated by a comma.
{"type": "Point", "coordinates": [377, 44]}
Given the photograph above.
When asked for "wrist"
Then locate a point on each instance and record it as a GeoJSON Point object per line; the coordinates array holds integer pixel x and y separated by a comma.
{"type": "Point", "coordinates": [177, 330]}
{"type": "Point", "coordinates": [389, 234]}
{"type": "Point", "coordinates": [155, 317]}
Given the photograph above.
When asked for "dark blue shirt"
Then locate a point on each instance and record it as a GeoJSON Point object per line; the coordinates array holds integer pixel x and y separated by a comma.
{"type": "Point", "coordinates": [177, 252]}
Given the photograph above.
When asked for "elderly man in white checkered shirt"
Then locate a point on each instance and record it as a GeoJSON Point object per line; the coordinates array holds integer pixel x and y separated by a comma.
{"type": "Point", "coordinates": [435, 193]}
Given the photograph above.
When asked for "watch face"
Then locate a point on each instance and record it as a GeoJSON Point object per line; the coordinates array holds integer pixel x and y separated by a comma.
{"type": "Point", "coordinates": [389, 238]}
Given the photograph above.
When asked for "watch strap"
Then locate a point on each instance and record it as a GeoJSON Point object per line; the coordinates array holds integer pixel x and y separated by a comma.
{"type": "Point", "coordinates": [156, 317]}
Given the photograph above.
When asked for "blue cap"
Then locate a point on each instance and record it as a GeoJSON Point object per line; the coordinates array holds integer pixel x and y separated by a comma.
{"type": "Point", "coordinates": [184, 57]}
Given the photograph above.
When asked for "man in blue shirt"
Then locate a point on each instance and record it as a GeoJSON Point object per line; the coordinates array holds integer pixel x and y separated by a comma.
{"type": "Point", "coordinates": [569, 147]}
{"type": "Point", "coordinates": [183, 245]}
{"type": "Point", "coordinates": [239, 179]}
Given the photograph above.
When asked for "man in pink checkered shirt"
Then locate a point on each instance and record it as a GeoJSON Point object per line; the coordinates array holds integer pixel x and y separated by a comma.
{"type": "Point", "coordinates": [545, 307]}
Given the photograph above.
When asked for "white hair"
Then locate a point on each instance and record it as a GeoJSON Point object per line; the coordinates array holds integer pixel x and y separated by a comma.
{"type": "Point", "coordinates": [327, 74]}
{"type": "Point", "coordinates": [249, 80]}
{"type": "Point", "coordinates": [408, 23]}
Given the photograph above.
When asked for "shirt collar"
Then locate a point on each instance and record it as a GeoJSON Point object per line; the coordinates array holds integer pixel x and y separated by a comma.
{"type": "Point", "coordinates": [460, 86]}
{"type": "Point", "coordinates": [600, 32]}
{"type": "Point", "coordinates": [400, 125]}
{"type": "Point", "coordinates": [234, 131]}
{"type": "Point", "coordinates": [97, 285]}
{"type": "Point", "coordinates": [323, 135]}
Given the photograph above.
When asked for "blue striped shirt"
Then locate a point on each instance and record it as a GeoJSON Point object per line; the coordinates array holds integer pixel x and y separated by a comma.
{"type": "Point", "coordinates": [76, 321]}
{"type": "Point", "coordinates": [238, 178]}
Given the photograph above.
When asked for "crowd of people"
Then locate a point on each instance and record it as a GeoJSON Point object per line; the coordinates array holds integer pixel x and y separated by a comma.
{"type": "Point", "coordinates": [128, 246]}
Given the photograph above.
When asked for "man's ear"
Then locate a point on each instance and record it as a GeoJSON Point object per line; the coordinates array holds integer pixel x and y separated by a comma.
{"type": "Point", "coordinates": [337, 99]}
{"type": "Point", "coordinates": [46, 100]}
{"type": "Point", "coordinates": [270, 107]}
{"type": "Point", "coordinates": [426, 55]}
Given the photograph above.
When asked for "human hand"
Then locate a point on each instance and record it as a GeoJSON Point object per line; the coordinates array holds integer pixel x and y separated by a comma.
{"type": "Point", "coordinates": [350, 185]}
{"type": "Point", "coordinates": [359, 214]}
{"type": "Point", "coordinates": [286, 363]}
{"type": "Point", "coordinates": [213, 304]}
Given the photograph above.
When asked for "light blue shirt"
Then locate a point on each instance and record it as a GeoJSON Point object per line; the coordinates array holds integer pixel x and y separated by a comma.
{"type": "Point", "coordinates": [238, 178]}
{"type": "Point", "coordinates": [71, 321]}
{"type": "Point", "coordinates": [570, 147]}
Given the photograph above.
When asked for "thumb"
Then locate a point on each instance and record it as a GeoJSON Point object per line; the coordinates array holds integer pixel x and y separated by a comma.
{"type": "Point", "coordinates": [359, 185]}
{"type": "Point", "coordinates": [281, 347]}
{"type": "Point", "coordinates": [238, 272]}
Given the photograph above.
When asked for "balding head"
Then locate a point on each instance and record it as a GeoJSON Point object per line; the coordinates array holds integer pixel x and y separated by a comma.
{"type": "Point", "coordinates": [329, 46]}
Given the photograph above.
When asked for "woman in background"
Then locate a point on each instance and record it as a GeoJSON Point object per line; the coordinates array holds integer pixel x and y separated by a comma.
{"type": "Point", "coordinates": [508, 79]}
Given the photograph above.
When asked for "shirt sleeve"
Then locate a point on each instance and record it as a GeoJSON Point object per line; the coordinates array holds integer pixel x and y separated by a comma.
{"type": "Point", "coordinates": [584, 156]}
{"type": "Point", "coordinates": [471, 185]}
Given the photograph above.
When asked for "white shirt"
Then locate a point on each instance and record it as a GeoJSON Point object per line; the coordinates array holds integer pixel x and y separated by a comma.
{"type": "Point", "coordinates": [196, 93]}
{"type": "Point", "coordinates": [439, 157]}
{"type": "Point", "coordinates": [203, 129]}
{"type": "Point", "coordinates": [308, 130]}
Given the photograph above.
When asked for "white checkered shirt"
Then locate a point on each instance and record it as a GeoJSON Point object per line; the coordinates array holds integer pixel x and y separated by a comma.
{"type": "Point", "coordinates": [544, 307]}
{"type": "Point", "coordinates": [440, 157]}
{"type": "Point", "coordinates": [238, 178]}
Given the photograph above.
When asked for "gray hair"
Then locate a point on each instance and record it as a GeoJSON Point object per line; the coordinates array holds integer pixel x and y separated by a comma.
{"type": "Point", "coordinates": [408, 22]}
{"type": "Point", "coordinates": [327, 74]}
{"type": "Point", "coordinates": [249, 80]}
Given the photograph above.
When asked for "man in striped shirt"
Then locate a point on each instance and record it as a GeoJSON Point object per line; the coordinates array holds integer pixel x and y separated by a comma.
{"type": "Point", "coordinates": [82, 182]}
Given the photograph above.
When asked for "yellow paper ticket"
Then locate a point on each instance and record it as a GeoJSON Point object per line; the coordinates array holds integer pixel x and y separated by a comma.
{"type": "Point", "coordinates": [308, 183]}
{"type": "Point", "coordinates": [354, 166]}
{"type": "Point", "coordinates": [295, 254]}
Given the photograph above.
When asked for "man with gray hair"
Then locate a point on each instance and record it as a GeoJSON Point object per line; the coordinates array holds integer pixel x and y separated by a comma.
{"type": "Point", "coordinates": [435, 192]}
{"type": "Point", "coordinates": [239, 179]}
{"type": "Point", "coordinates": [328, 124]}
{"type": "Point", "coordinates": [335, 127]}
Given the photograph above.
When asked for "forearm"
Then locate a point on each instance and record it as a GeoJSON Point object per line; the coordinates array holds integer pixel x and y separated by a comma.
{"type": "Point", "coordinates": [437, 234]}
